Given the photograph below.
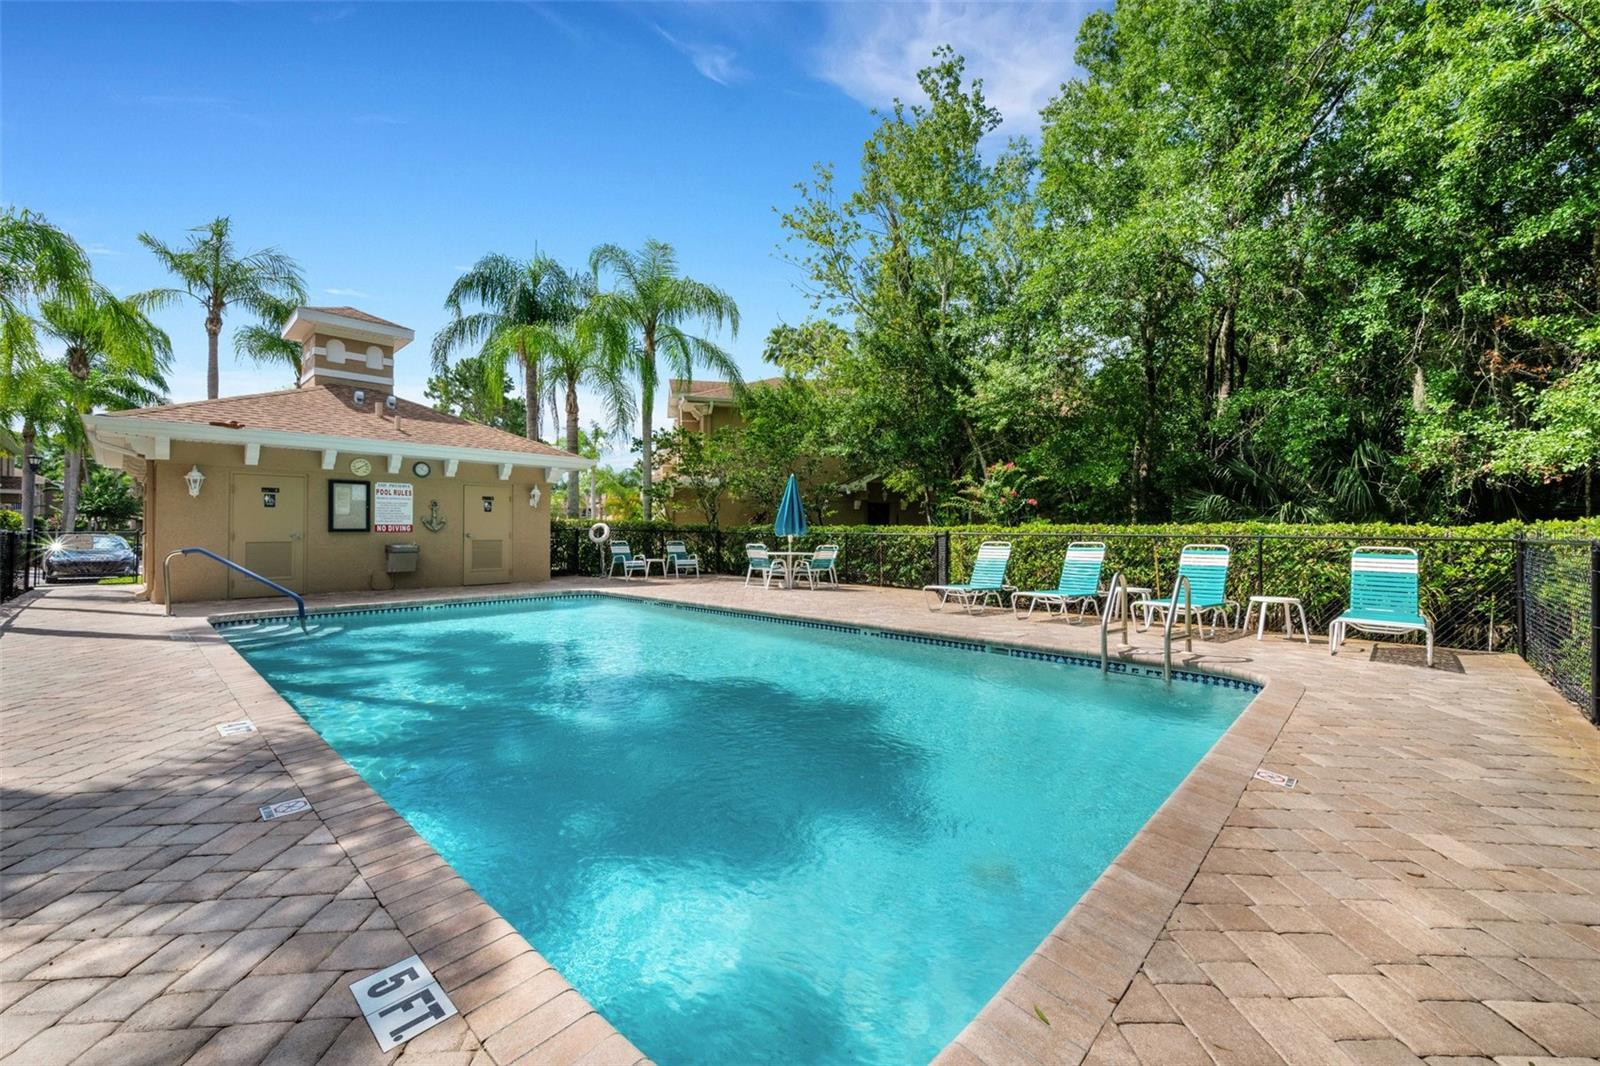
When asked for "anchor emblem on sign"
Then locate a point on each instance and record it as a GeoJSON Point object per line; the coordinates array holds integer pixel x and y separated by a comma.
{"type": "Point", "coordinates": [433, 523]}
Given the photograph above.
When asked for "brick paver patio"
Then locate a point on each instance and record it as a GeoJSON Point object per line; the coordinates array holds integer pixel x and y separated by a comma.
{"type": "Point", "coordinates": [1429, 891]}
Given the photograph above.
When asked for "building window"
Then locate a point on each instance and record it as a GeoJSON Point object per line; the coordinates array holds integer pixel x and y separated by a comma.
{"type": "Point", "coordinates": [349, 506]}
{"type": "Point", "coordinates": [374, 357]}
{"type": "Point", "coordinates": [335, 351]}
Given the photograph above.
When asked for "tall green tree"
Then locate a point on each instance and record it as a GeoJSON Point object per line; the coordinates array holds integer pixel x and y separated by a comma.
{"type": "Point", "coordinates": [589, 352]}
{"type": "Point", "coordinates": [656, 305]}
{"type": "Point", "coordinates": [114, 357]}
{"type": "Point", "coordinates": [501, 307]}
{"type": "Point", "coordinates": [463, 388]}
{"type": "Point", "coordinates": [217, 276]}
{"type": "Point", "coordinates": [37, 261]}
{"type": "Point", "coordinates": [263, 342]}
{"type": "Point", "coordinates": [916, 258]}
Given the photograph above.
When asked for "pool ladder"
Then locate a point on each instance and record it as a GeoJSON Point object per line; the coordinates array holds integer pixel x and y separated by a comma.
{"type": "Point", "coordinates": [1118, 584]}
{"type": "Point", "coordinates": [166, 575]}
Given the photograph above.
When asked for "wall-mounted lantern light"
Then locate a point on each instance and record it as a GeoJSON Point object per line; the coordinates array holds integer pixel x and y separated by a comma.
{"type": "Point", "coordinates": [533, 496]}
{"type": "Point", "coordinates": [194, 478]}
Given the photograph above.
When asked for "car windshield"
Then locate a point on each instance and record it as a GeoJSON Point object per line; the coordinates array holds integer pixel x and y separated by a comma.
{"type": "Point", "coordinates": [99, 542]}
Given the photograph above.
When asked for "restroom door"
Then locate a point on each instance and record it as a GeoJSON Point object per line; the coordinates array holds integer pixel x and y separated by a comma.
{"type": "Point", "coordinates": [267, 527]}
{"type": "Point", "coordinates": [487, 535]}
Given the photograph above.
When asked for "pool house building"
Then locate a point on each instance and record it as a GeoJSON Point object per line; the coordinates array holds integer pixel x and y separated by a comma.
{"type": "Point", "coordinates": [336, 484]}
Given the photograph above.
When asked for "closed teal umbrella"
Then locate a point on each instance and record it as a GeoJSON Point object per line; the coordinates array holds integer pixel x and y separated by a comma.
{"type": "Point", "coordinates": [791, 521]}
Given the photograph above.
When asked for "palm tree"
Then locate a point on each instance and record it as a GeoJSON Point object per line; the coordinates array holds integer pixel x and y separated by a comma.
{"type": "Point", "coordinates": [115, 357]}
{"type": "Point", "coordinates": [517, 301]}
{"type": "Point", "coordinates": [217, 277]}
{"type": "Point", "coordinates": [586, 353]}
{"type": "Point", "coordinates": [263, 343]}
{"type": "Point", "coordinates": [36, 393]}
{"type": "Point", "coordinates": [653, 302]}
{"type": "Point", "coordinates": [37, 260]}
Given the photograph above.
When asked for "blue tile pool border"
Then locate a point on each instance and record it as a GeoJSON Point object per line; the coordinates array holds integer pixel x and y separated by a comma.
{"type": "Point", "coordinates": [1116, 666]}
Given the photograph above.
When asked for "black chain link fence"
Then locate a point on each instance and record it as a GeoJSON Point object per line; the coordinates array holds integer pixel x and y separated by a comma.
{"type": "Point", "coordinates": [1561, 610]}
{"type": "Point", "coordinates": [1535, 597]}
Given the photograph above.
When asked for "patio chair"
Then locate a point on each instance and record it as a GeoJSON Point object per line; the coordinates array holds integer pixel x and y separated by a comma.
{"type": "Point", "coordinates": [622, 555]}
{"type": "Point", "coordinates": [1079, 583]}
{"type": "Point", "coordinates": [820, 565]}
{"type": "Point", "coordinates": [758, 561]}
{"type": "Point", "coordinates": [680, 560]}
{"type": "Point", "coordinates": [1206, 567]}
{"type": "Point", "coordinates": [1383, 598]}
{"type": "Point", "coordinates": [988, 581]}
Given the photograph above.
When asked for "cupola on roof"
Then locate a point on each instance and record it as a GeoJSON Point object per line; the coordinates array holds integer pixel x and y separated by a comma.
{"type": "Point", "coordinates": [346, 346]}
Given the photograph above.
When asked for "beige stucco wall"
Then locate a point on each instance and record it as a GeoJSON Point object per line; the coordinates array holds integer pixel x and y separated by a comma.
{"type": "Point", "coordinates": [333, 561]}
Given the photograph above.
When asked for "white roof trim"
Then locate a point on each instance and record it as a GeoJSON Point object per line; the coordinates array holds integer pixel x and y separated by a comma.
{"type": "Point", "coordinates": [305, 321]}
{"type": "Point", "coordinates": [116, 435]}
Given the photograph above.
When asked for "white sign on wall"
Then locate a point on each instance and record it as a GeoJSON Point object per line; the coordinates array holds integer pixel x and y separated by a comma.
{"type": "Point", "coordinates": [391, 507]}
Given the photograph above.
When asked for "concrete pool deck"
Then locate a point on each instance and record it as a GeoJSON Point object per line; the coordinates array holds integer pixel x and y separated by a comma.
{"type": "Point", "coordinates": [1429, 890]}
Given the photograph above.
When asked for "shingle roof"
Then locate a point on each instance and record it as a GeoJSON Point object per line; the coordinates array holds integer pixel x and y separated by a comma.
{"type": "Point", "coordinates": [713, 390]}
{"type": "Point", "coordinates": [351, 312]}
{"type": "Point", "coordinates": [330, 410]}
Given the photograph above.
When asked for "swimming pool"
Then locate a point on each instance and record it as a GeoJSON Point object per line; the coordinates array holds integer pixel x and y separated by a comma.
{"type": "Point", "coordinates": [746, 841]}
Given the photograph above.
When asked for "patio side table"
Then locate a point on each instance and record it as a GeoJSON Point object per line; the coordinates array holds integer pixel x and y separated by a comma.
{"type": "Point", "coordinates": [1290, 604]}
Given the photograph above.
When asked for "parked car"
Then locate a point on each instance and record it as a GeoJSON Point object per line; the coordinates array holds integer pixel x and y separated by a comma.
{"type": "Point", "coordinates": [88, 555]}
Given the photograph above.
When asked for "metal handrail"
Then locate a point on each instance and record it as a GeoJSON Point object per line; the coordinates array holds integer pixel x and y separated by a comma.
{"type": "Point", "coordinates": [1117, 582]}
{"type": "Point", "coordinates": [1166, 628]}
{"type": "Point", "coordinates": [166, 582]}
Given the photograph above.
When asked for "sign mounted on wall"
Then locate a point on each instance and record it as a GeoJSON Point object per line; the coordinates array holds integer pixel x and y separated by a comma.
{"type": "Point", "coordinates": [391, 507]}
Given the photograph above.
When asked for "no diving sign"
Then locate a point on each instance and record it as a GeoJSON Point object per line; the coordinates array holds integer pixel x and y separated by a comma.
{"type": "Point", "coordinates": [401, 1002]}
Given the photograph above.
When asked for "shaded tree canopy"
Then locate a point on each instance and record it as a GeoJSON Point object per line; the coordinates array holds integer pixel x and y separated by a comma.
{"type": "Point", "coordinates": [1300, 260]}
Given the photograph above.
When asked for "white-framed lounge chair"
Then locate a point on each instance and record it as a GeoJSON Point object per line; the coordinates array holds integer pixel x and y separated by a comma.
{"type": "Point", "coordinates": [821, 566]}
{"type": "Point", "coordinates": [1078, 584]}
{"type": "Point", "coordinates": [622, 555]}
{"type": "Point", "coordinates": [680, 560]}
{"type": "Point", "coordinates": [758, 561]}
{"type": "Point", "coordinates": [1383, 598]}
{"type": "Point", "coordinates": [988, 581]}
{"type": "Point", "coordinates": [1206, 568]}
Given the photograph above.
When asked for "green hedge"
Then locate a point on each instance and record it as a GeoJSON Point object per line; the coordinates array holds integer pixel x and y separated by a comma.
{"type": "Point", "coordinates": [1467, 573]}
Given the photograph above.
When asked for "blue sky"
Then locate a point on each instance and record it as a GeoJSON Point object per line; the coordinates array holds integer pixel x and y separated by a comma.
{"type": "Point", "coordinates": [386, 146]}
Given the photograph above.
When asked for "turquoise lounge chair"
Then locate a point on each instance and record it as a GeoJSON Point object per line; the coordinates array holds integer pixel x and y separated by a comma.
{"type": "Point", "coordinates": [1079, 583]}
{"type": "Point", "coordinates": [820, 565]}
{"type": "Point", "coordinates": [1206, 567]}
{"type": "Point", "coordinates": [680, 560]}
{"type": "Point", "coordinates": [622, 555]}
{"type": "Point", "coordinates": [988, 580]}
{"type": "Point", "coordinates": [1383, 597]}
{"type": "Point", "coordinates": [759, 561]}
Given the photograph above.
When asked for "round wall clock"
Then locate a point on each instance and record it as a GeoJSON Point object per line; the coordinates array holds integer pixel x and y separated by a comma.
{"type": "Point", "coordinates": [421, 469]}
{"type": "Point", "coordinates": [360, 467]}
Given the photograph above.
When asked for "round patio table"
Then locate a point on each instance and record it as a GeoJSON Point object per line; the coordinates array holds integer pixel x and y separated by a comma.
{"type": "Point", "coordinates": [789, 559]}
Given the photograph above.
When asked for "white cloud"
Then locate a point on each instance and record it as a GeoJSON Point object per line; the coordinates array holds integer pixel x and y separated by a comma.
{"type": "Point", "coordinates": [715, 61]}
{"type": "Point", "coordinates": [1022, 51]}
{"type": "Point", "coordinates": [100, 249]}
{"type": "Point", "coordinates": [357, 293]}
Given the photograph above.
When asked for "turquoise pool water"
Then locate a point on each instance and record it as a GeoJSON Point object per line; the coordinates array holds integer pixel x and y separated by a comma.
{"type": "Point", "coordinates": [746, 841]}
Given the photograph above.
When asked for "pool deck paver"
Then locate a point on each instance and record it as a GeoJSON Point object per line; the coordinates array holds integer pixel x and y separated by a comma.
{"type": "Point", "coordinates": [148, 916]}
{"type": "Point", "coordinates": [1428, 892]}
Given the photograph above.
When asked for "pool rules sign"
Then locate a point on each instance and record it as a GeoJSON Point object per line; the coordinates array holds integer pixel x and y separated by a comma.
{"type": "Point", "coordinates": [391, 507]}
{"type": "Point", "coordinates": [401, 1002]}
